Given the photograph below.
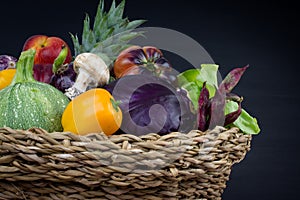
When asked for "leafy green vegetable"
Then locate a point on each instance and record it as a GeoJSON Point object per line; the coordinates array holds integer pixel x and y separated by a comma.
{"type": "Point", "coordinates": [208, 73]}
{"type": "Point", "coordinates": [245, 122]}
{"type": "Point", "coordinates": [231, 117]}
{"type": "Point", "coordinates": [192, 80]}
{"type": "Point", "coordinates": [193, 92]}
{"type": "Point", "coordinates": [222, 107]}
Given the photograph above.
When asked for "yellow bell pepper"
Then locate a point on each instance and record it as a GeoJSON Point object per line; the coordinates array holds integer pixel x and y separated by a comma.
{"type": "Point", "coordinates": [6, 76]}
{"type": "Point", "coordinates": [93, 111]}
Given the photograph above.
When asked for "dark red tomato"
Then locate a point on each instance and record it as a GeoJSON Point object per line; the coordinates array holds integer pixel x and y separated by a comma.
{"type": "Point", "coordinates": [137, 60]}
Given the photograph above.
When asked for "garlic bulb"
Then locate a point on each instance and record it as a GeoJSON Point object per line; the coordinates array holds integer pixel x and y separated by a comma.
{"type": "Point", "coordinates": [92, 72]}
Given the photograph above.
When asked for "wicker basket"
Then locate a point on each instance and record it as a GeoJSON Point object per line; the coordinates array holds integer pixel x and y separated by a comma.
{"type": "Point", "coordinates": [35, 164]}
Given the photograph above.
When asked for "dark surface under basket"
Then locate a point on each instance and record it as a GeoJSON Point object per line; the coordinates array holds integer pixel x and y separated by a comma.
{"type": "Point", "coordinates": [35, 164]}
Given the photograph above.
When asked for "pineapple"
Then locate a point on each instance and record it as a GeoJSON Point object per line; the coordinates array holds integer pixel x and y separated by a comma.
{"type": "Point", "coordinates": [110, 34]}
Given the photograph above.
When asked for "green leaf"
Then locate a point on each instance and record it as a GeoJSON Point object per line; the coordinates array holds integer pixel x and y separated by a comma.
{"type": "Point", "coordinates": [108, 33]}
{"type": "Point", "coordinates": [108, 28]}
{"type": "Point", "coordinates": [85, 33]}
{"type": "Point", "coordinates": [112, 8]}
{"type": "Point", "coordinates": [91, 40]}
{"type": "Point", "coordinates": [117, 13]}
{"type": "Point", "coordinates": [245, 122]}
{"type": "Point", "coordinates": [102, 27]}
{"type": "Point", "coordinates": [76, 44]}
{"type": "Point", "coordinates": [192, 80]}
{"type": "Point", "coordinates": [114, 44]}
{"type": "Point", "coordinates": [208, 73]}
{"type": "Point", "coordinates": [129, 36]}
{"type": "Point", "coordinates": [134, 24]}
{"type": "Point", "coordinates": [190, 75]}
{"type": "Point", "coordinates": [60, 59]}
{"type": "Point", "coordinates": [99, 15]}
{"type": "Point", "coordinates": [193, 92]}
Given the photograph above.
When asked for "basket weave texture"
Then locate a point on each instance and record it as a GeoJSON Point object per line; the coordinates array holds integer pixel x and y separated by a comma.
{"type": "Point", "coordinates": [35, 164]}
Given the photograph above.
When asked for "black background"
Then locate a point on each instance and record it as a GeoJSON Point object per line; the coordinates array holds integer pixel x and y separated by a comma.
{"type": "Point", "coordinates": [261, 34]}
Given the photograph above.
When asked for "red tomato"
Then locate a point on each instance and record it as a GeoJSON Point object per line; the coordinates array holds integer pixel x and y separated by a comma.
{"type": "Point", "coordinates": [135, 59]}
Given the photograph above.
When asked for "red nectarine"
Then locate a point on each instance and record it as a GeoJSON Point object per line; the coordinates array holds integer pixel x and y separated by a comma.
{"type": "Point", "coordinates": [47, 48]}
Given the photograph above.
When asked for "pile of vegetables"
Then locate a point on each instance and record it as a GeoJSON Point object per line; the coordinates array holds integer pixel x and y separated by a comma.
{"type": "Point", "coordinates": [114, 87]}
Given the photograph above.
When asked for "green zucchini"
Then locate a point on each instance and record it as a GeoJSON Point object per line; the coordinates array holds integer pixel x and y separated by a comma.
{"type": "Point", "coordinates": [27, 103]}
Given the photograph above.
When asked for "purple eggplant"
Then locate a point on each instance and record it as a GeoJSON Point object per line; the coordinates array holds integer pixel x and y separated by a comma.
{"type": "Point", "coordinates": [7, 62]}
{"type": "Point", "coordinates": [64, 78]}
{"type": "Point", "coordinates": [152, 105]}
{"type": "Point", "coordinates": [64, 75]}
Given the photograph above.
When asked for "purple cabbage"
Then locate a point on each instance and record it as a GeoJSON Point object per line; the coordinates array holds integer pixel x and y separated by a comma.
{"type": "Point", "coordinates": [152, 105]}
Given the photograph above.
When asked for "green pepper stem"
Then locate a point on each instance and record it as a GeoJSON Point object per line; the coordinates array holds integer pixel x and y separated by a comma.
{"type": "Point", "coordinates": [24, 67]}
{"type": "Point", "coordinates": [115, 104]}
{"type": "Point", "coordinates": [60, 59]}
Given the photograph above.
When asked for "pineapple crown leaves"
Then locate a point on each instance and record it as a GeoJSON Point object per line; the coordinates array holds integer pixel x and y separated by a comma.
{"type": "Point", "coordinates": [110, 33]}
